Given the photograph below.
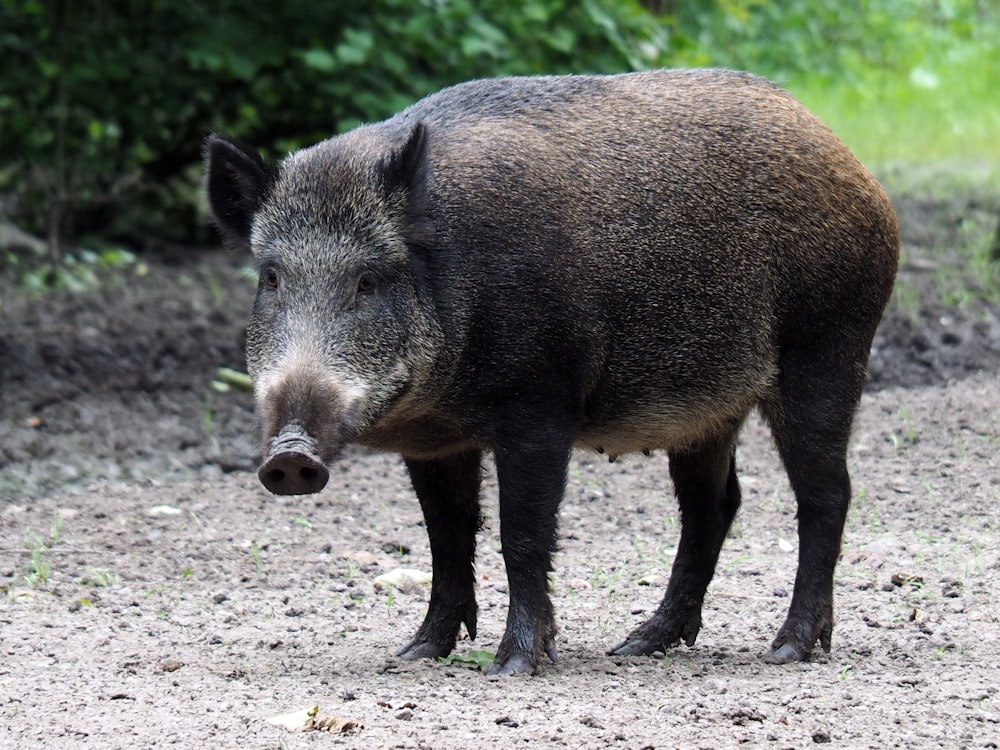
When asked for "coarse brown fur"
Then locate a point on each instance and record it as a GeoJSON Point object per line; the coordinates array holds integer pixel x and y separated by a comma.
{"type": "Point", "coordinates": [621, 263]}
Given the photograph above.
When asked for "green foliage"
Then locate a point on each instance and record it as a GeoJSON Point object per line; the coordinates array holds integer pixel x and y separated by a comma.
{"type": "Point", "coordinates": [833, 41]}
{"type": "Point", "coordinates": [896, 79]}
{"type": "Point", "coordinates": [74, 271]}
{"type": "Point", "coordinates": [104, 104]}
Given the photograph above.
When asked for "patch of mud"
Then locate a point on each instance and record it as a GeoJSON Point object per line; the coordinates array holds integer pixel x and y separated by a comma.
{"type": "Point", "coordinates": [939, 325]}
{"type": "Point", "coordinates": [117, 384]}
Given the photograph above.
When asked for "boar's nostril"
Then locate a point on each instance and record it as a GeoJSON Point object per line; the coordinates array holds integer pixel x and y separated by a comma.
{"type": "Point", "coordinates": [293, 473]}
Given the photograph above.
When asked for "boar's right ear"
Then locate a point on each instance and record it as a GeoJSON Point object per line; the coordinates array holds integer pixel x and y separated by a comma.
{"type": "Point", "coordinates": [238, 181]}
{"type": "Point", "coordinates": [399, 167]}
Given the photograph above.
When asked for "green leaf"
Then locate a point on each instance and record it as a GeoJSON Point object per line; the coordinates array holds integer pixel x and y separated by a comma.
{"type": "Point", "coordinates": [562, 39]}
{"type": "Point", "coordinates": [481, 660]}
{"type": "Point", "coordinates": [356, 47]}
{"type": "Point", "coordinates": [319, 59]}
{"type": "Point", "coordinates": [242, 66]}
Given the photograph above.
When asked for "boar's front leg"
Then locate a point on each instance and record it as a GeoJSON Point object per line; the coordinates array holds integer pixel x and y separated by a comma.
{"type": "Point", "coordinates": [708, 494]}
{"type": "Point", "coordinates": [532, 480]}
{"type": "Point", "coordinates": [448, 490]}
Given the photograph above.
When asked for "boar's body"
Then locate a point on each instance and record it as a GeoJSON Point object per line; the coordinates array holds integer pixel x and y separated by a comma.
{"type": "Point", "coordinates": [519, 266]}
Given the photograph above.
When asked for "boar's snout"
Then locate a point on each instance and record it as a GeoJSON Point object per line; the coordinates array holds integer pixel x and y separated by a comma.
{"type": "Point", "coordinates": [292, 466]}
{"type": "Point", "coordinates": [307, 418]}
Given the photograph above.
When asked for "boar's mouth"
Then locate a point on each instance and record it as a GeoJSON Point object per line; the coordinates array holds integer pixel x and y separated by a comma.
{"type": "Point", "coordinates": [293, 465]}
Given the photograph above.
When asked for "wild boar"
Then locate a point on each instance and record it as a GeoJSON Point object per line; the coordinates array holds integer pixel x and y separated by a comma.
{"type": "Point", "coordinates": [522, 266]}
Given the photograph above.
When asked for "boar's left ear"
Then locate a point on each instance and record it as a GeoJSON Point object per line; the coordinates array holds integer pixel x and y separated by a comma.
{"type": "Point", "coordinates": [238, 181]}
{"type": "Point", "coordinates": [400, 166]}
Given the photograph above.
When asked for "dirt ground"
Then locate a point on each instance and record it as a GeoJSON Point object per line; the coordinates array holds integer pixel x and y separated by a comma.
{"type": "Point", "coordinates": [153, 594]}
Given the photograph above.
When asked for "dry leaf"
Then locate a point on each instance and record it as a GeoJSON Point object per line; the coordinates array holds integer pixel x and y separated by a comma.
{"type": "Point", "coordinates": [399, 576]}
{"type": "Point", "coordinates": [296, 720]}
{"type": "Point", "coordinates": [335, 724]}
{"type": "Point", "coordinates": [899, 579]}
{"type": "Point", "coordinates": [309, 720]}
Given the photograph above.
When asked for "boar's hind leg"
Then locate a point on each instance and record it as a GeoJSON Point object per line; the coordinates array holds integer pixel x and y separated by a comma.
{"type": "Point", "coordinates": [811, 422]}
{"type": "Point", "coordinates": [448, 490]}
{"type": "Point", "coordinates": [708, 494]}
{"type": "Point", "coordinates": [531, 481]}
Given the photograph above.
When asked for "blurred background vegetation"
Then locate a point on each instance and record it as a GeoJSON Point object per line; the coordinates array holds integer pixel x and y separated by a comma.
{"type": "Point", "coordinates": [104, 103]}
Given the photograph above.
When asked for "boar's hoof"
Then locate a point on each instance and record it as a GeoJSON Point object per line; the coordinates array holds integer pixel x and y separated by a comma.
{"type": "Point", "coordinates": [660, 632]}
{"type": "Point", "coordinates": [794, 642]}
{"type": "Point", "coordinates": [419, 649]}
{"type": "Point", "coordinates": [517, 664]}
{"type": "Point", "coordinates": [786, 653]}
{"type": "Point", "coordinates": [293, 473]}
{"type": "Point", "coordinates": [634, 647]}
{"type": "Point", "coordinates": [516, 661]}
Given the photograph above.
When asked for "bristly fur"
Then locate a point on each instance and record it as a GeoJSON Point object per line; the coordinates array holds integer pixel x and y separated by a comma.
{"type": "Point", "coordinates": [524, 265]}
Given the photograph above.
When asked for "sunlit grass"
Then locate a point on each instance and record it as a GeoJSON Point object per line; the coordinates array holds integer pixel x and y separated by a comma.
{"type": "Point", "coordinates": [947, 109]}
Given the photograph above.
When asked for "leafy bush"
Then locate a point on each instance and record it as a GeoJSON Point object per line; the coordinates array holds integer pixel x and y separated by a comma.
{"type": "Point", "coordinates": [104, 104]}
{"type": "Point", "coordinates": [832, 40]}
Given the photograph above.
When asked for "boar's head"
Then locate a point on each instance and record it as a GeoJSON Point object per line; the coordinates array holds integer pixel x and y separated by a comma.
{"type": "Point", "coordinates": [342, 324]}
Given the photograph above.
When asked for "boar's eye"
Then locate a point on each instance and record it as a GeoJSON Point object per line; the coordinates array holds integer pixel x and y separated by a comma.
{"type": "Point", "coordinates": [366, 284]}
{"type": "Point", "coordinates": [270, 278]}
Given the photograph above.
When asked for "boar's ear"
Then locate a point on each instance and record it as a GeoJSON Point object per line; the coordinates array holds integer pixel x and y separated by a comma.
{"type": "Point", "coordinates": [400, 166]}
{"type": "Point", "coordinates": [238, 181]}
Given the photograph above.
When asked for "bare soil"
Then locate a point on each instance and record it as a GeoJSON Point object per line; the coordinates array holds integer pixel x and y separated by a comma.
{"type": "Point", "coordinates": [152, 593]}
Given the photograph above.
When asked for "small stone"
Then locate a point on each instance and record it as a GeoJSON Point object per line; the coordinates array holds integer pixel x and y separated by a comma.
{"type": "Point", "coordinates": [951, 589]}
{"type": "Point", "coordinates": [364, 559]}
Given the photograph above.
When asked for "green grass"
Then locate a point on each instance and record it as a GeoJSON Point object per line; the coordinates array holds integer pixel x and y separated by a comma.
{"type": "Point", "coordinates": [39, 565]}
{"type": "Point", "coordinates": [258, 563]}
{"type": "Point", "coordinates": [39, 559]}
{"type": "Point", "coordinates": [944, 109]}
{"type": "Point", "coordinates": [99, 577]}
